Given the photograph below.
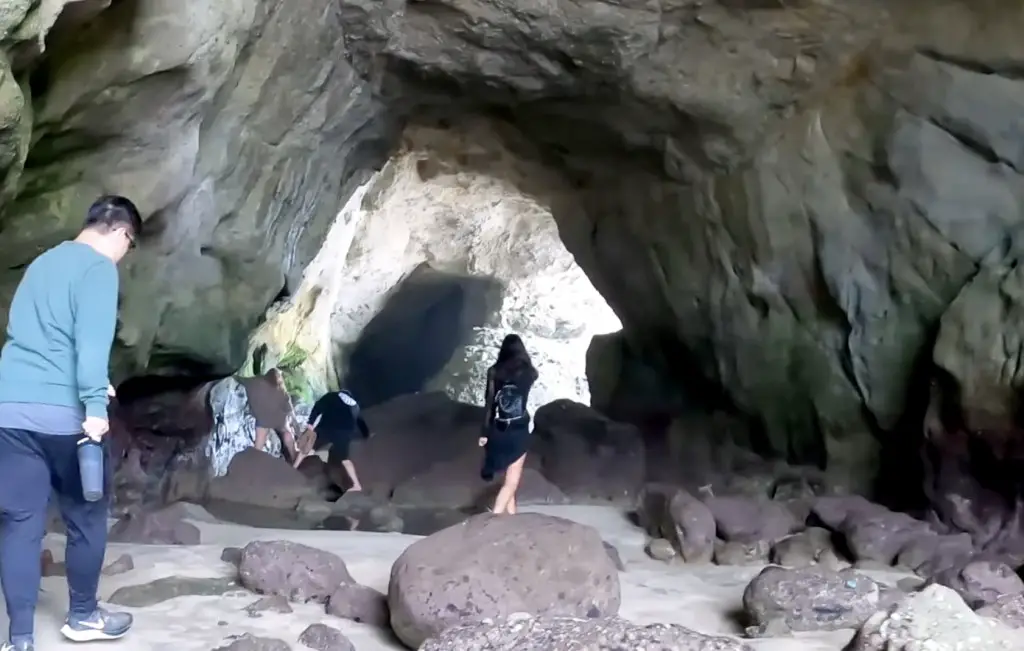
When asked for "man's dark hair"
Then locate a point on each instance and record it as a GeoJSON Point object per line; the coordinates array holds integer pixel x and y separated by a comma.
{"type": "Point", "coordinates": [112, 211]}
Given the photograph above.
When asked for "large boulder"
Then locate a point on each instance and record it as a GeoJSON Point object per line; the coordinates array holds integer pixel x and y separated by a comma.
{"type": "Point", "coordinates": [494, 566]}
{"type": "Point", "coordinates": [526, 633]}
{"type": "Point", "coordinates": [588, 456]}
{"type": "Point", "coordinates": [258, 479]}
{"type": "Point", "coordinates": [934, 618]}
{"type": "Point", "coordinates": [670, 513]}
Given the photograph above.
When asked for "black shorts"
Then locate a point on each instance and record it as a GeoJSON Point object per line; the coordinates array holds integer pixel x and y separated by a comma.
{"type": "Point", "coordinates": [337, 440]}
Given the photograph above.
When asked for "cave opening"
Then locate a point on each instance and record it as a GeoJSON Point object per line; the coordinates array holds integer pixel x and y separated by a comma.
{"type": "Point", "coordinates": [416, 332]}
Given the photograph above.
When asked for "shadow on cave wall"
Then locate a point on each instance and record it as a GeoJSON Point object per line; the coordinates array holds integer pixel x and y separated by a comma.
{"type": "Point", "coordinates": [424, 321]}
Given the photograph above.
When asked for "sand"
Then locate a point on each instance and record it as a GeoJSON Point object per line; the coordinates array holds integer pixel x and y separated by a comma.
{"type": "Point", "coordinates": [702, 598]}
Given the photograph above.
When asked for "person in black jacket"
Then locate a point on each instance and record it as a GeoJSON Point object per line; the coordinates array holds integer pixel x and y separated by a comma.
{"type": "Point", "coordinates": [335, 418]}
{"type": "Point", "coordinates": [506, 430]}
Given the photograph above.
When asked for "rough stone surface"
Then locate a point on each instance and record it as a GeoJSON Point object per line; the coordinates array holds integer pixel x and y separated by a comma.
{"type": "Point", "coordinates": [120, 565]}
{"type": "Point", "coordinates": [780, 601]}
{"type": "Point", "coordinates": [249, 642]}
{"type": "Point", "coordinates": [1008, 609]}
{"type": "Point", "coordinates": [525, 633]}
{"type": "Point", "coordinates": [259, 479]}
{"type": "Point", "coordinates": [161, 590]}
{"type": "Point", "coordinates": [935, 618]}
{"type": "Point", "coordinates": [809, 547]}
{"type": "Point", "coordinates": [360, 604]}
{"type": "Point", "coordinates": [744, 519]}
{"type": "Point", "coordinates": [672, 514]}
{"type": "Point", "coordinates": [324, 638]}
{"type": "Point", "coordinates": [292, 570]}
{"type": "Point", "coordinates": [461, 574]}
{"type": "Point", "coordinates": [981, 582]}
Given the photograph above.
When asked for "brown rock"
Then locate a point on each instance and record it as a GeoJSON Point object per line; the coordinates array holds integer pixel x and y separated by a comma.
{"type": "Point", "coordinates": [360, 604]}
{"type": "Point", "coordinates": [259, 479]}
{"type": "Point", "coordinates": [297, 572]}
{"type": "Point", "coordinates": [462, 572]}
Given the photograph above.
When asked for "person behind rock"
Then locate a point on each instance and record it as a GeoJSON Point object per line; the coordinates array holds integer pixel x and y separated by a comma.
{"type": "Point", "coordinates": [334, 419]}
{"type": "Point", "coordinates": [272, 409]}
{"type": "Point", "coordinates": [507, 421]}
{"type": "Point", "coordinates": [53, 388]}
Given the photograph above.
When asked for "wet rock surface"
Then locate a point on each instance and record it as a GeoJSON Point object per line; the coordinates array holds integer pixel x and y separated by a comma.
{"type": "Point", "coordinates": [161, 590]}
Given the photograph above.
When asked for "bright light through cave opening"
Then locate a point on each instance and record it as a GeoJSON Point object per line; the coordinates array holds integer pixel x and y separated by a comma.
{"type": "Point", "coordinates": [431, 262]}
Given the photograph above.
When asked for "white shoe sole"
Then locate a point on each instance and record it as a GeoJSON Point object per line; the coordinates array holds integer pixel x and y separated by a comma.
{"type": "Point", "coordinates": [89, 635]}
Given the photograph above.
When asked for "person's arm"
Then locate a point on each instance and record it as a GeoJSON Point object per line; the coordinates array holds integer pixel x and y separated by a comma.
{"type": "Point", "coordinates": [95, 323]}
{"type": "Point", "coordinates": [315, 415]}
{"type": "Point", "coordinates": [489, 401]}
{"type": "Point", "coordinates": [363, 427]}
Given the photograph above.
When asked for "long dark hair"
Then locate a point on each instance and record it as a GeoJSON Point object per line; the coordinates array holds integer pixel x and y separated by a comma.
{"type": "Point", "coordinates": [514, 364]}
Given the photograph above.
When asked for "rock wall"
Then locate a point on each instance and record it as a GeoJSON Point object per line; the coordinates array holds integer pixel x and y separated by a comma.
{"type": "Point", "coordinates": [805, 202]}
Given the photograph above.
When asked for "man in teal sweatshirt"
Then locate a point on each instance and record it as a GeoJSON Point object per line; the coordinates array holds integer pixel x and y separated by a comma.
{"type": "Point", "coordinates": [53, 389]}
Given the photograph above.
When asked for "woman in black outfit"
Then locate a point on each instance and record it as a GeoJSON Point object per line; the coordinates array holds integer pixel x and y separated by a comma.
{"type": "Point", "coordinates": [506, 431]}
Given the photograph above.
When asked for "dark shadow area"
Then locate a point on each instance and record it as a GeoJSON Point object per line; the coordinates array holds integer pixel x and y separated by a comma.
{"type": "Point", "coordinates": [417, 521]}
{"type": "Point", "coordinates": [426, 318]}
{"type": "Point", "coordinates": [148, 386]}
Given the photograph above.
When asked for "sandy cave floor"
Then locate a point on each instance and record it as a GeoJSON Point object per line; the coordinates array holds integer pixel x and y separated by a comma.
{"type": "Point", "coordinates": [702, 598]}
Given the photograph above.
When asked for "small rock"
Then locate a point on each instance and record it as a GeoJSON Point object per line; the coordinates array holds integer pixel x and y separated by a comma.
{"type": "Point", "coordinates": [359, 603]}
{"type": "Point", "coordinates": [741, 553]}
{"type": "Point", "coordinates": [121, 565]}
{"type": "Point", "coordinates": [613, 554]}
{"type": "Point", "coordinates": [324, 638]}
{"type": "Point", "coordinates": [803, 549]}
{"type": "Point", "coordinates": [51, 567]}
{"type": "Point", "coordinates": [271, 604]}
{"type": "Point", "coordinates": [297, 572]}
{"type": "Point", "coordinates": [661, 550]}
{"type": "Point", "coordinates": [232, 555]}
{"type": "Point", "coordinates": [249, 642]}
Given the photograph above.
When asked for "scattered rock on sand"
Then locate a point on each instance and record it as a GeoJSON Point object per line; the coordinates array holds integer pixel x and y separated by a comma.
{"type": "Point", "coordinates": [934, 619]}
{"type": "Point", "coordinates": [160, 527]}
{"type": "Point", "coordinates": [661, 550]}
{"type": "Point", "coordinates": [324, 638]}
{"type": "Point", "coordinates": [1009, 609]}
{"type": "Point", "coordinates": [292, 570]}
{"type": "Point", "coordinates": [521, 632]}
{"type": "Point", "coordinates": [749, 519]}
{"type": "Point", "coordinates": [272, 604]}
{"type": "Point", "coordinates": [232, 555]}
{"type": "Point", "coordinates": [51, 567]}
{"type": "Point", "coordinates": [360, 604]}
{"type": "Point", "coordinates": [668, 512]}
{"type": "Point", "coordinates": [980, 582]}
{"type": "Point", "coordinates": [161, 590]}
{"type": "Point", "coordinates": [741, 553]}
{"type": "Point", "coordinates": [812, 546]}
{"type": "Point", "coordinates": [259, 479]}
{"type": "Point", "coordinates": [779, 601]}
{"type": "Point", "coordinates": [250, 642]}
{"type": "Point", "coordinates": [462, 573]}
{"type": "Point", "coordinates": [121, 565]}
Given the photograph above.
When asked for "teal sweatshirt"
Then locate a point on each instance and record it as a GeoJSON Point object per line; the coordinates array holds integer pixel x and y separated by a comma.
{"type": "Point", "coordinates": [60, 330]}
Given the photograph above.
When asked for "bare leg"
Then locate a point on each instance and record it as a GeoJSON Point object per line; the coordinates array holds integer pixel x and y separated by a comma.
{"type": "Point", "coordinates": [507, 495]}
{"type": "Point", "coordinates": [512, 509]}
{"type": "Point", "coordinates": [350, 468]}
{"type": "Point", "coordinates": [288, 445]}
{"type": "Point", "coordinates": [261, 438]}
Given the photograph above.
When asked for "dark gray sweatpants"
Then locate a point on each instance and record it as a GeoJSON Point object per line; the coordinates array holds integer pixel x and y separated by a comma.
{"type": "Point", "coordinates": [31, 464]}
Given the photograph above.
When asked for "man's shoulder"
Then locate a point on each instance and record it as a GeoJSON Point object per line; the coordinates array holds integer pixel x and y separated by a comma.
{"type": "Point", "coordinates": [72, 259]}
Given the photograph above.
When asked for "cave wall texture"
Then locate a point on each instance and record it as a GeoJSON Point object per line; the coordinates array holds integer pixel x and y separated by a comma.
{"type": "Point", "coordinates": [804, 203]}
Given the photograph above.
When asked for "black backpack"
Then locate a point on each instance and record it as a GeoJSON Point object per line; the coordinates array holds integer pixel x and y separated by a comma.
{"type": "Point", "coordinates": [509, 403]}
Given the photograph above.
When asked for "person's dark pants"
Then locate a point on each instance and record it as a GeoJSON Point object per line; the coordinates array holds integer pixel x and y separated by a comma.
{"type": "Point", "coordinates": [31, 464]}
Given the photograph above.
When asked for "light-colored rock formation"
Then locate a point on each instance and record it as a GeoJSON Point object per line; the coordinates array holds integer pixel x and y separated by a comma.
{"type": "Point", "coordinates": [455, 213]}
